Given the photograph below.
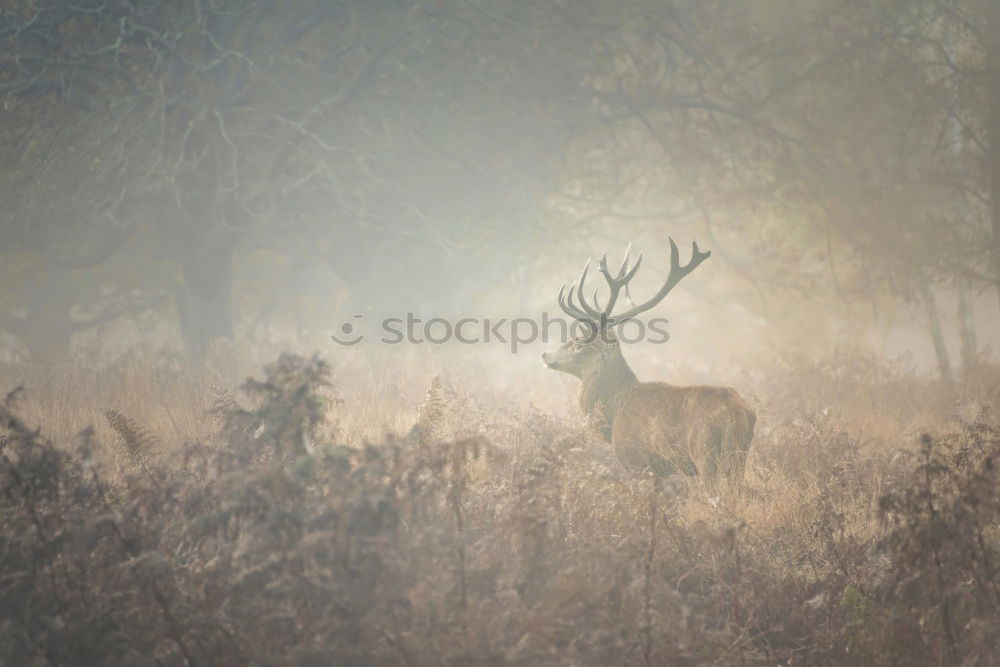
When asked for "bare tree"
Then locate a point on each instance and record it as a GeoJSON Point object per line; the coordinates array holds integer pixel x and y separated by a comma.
{"type": "Point", "coordinates": [190, 128]}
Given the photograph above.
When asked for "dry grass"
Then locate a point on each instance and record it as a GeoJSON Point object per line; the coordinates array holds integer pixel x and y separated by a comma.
{"type": "Point", "coordinates": [280, 524]}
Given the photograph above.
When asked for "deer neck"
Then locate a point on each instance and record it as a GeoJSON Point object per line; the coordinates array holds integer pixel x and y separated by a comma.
{"type": "Point", "coordinates": [605, 386]}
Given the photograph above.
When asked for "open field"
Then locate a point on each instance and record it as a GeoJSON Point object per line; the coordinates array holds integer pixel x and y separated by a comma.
{"type": "Point", "coordinates": [197, 523]}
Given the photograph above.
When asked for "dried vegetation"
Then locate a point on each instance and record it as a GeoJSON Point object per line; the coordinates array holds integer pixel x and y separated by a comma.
{"type": "Point", "coordinates": [866, 533]}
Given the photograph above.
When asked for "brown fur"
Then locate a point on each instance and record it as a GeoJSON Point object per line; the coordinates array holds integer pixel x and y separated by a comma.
{"type": "Point", "coordinates": [693, 430]}
{"type": "Point", "coordinates": [668, 429]}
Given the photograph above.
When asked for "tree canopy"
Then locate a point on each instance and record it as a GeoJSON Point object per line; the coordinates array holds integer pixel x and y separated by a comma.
{"type": "Point", "coordinates": [825, 147]}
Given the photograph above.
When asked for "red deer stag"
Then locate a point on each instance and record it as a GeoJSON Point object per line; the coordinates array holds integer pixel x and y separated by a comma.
{"type": "Point", "coordinates": [693, 430]}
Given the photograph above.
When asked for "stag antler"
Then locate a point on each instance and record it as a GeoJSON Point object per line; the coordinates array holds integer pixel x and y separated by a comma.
{"type": "Point", "coordinates": [602, 317]}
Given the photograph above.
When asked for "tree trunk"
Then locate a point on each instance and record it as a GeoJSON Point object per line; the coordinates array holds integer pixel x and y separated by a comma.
{"type": "Point", "coordinates": [47, 328]}
{"type": "Point", "coordinates": [966, 325]}
{"type": "Point", "coordinates": [937, 335]}
{"type": "Point", "coordinates": [51, 346]}
{"type": "Point", "coordinates": [993, 121]}
{"type": "Point", "coordinates": [46, 334]}
{"type": "Point", "coordinates": [204, 298]}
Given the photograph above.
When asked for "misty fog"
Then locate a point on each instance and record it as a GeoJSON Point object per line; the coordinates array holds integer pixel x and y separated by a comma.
{"type": "Point", "coordinates": [194, 189]}
{"type": "Point", "coordinates": [272, 171]}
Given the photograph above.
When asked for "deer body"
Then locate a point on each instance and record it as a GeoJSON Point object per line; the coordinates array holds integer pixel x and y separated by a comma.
{"type": "Point", "coordinates": [668, 429]}
{"type": "Point", "coordinates": [692, 430]}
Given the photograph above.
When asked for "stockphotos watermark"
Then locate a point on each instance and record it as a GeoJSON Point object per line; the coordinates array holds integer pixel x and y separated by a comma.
{"type": "Point", "coordinates": [514, 332]}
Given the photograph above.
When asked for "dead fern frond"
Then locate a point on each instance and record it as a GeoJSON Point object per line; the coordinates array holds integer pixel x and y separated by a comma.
{"type": "Point", "coordinates": [432, 409]}
{"type": "Point", "coordinates": [134, 440]}
{"type": "Point", "coordinates": [224, 402]}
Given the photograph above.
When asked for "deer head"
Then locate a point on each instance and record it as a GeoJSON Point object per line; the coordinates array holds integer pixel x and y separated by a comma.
{"type": "Point", "coordinates": [595, 356]}
{"type": "Point", "coordinates": [583, 355]}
